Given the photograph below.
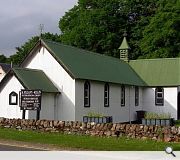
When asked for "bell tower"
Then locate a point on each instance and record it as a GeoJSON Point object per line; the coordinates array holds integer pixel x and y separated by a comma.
{"type": "Point", "coordinates": [124, 49]}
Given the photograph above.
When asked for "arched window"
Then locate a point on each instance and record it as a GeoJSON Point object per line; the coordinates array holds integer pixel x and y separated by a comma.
{"type": "Point", "coordinates": [13, 98]}
{"type": "Point", "coordinates": [106, 95]}
{"type": "Point", "coordinates": [87, 94]}
{"type": "Point", "coordinates": [159, 96]}
{"type": "Point", "coordinates": [136, 96]}
{"type": "Point", "coordinates": [122, 95]}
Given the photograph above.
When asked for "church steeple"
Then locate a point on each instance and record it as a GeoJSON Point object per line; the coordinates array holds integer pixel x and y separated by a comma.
{"type": "Point", "coordinates": [124, 49]}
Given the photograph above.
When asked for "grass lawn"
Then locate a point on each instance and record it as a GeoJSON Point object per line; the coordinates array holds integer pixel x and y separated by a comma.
{"type": "Point", "coordinates": [86, 142]}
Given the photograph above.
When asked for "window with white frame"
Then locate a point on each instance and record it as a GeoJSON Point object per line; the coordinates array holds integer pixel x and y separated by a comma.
{"type": "Point", "coordinates": [87, 94]}
{"type": "Point", "coordinates": [159, 96]}
{"type": "Point", "coordinates": [13, 98]}
{"type": "Point", "coordinates": [123, 95]}
{"type": "Point", "coordinates": [136, 96]}
{"type": "Point", "coordinates": [106, 95]}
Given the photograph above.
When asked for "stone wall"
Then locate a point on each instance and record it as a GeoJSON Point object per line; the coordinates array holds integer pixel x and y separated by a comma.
{"type": "Point", "coordinates": [159, 133]}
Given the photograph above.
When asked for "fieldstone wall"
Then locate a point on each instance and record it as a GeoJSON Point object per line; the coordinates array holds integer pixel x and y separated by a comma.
{"type": "Point", "coordinates": [159, 133]}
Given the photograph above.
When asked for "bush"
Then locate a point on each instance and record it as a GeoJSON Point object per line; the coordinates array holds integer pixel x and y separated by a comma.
{"type": "Point", "coordinates": [93, 114]}
{"type": "Point", "coordinates": [177, 122]}
{"type": "Point", "coordinates": [152, 115]}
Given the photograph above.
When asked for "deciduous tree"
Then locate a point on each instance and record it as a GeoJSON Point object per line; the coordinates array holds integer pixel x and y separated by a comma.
{"type": "Point", "coordinates": [3, 58]}
{"type": "Point", "coordinates": [23, 50]}
{"type": "Point", "coordinates": [162, 36]}
{"type": "Point", "coordinates": [98, 25]}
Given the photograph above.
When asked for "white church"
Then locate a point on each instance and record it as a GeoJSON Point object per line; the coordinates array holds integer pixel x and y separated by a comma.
{"type": "Point", "coordinates": [75, 82]}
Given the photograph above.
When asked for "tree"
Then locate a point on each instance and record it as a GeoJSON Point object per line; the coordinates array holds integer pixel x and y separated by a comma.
{"type": "Point", "coordinates": [139, 13]}
{"type": "Point", "coordinates": [161, 36]}
{"type": "Point", "coordinates": [27, 46]}
{"type": "Point", "coordinates": [3, 58]}
{"type": "Point", "coordinates": [98, 25]}
{"type": "Point", "coordinates": [93, 25]}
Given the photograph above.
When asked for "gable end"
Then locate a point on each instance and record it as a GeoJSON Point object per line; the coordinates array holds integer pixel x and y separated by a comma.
{"type": "Point", "coordinates": [37, 47]}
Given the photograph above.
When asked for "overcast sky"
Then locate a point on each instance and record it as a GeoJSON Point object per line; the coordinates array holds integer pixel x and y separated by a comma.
{"type": "Point", "coordinates": [20, 20]}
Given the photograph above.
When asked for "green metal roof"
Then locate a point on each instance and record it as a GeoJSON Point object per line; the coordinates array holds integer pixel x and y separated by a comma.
{"type": "Point", "coordinates": [158, 72]}
{"type": "Point", "coordinates": [124, 44]}
{"type": "Point", "coordinates": [34, 79]}
{"type": "Point", "coordinates": [82, 64]}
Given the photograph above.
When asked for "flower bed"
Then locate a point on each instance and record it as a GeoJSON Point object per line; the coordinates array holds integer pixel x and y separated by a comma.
{"type": "Point", "coordinates": [159, 122]}
{"type": "Point", "coordinates": [104, 119]}
{"type": "Point", "coordinates": [163, 119]}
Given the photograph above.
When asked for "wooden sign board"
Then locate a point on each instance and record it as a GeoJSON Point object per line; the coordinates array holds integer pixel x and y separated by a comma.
{"type": "Point", "coordinates": [30, 99]}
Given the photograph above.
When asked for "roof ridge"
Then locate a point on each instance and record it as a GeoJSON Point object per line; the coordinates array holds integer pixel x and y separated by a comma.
{"type": "Point", "coordinates": [85, 51]}
{"type": "Point", "coordinates": [94, 60]}
{"type": "Point", "coordinates": [28, 69]}
{"type": "Point", "coordinates": [155, 59]}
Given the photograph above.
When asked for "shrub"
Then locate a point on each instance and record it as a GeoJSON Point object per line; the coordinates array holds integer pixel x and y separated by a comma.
{"type": "Point", "coordinates": [93, 114]}
{"type": "Point", "coordinates": [152, 115]}
{"type": "Point", "coordinates": [177, 122]}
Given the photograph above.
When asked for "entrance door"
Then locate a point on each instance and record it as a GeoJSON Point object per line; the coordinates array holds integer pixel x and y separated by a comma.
{"type": "Point", "coordinates": [178, 106]}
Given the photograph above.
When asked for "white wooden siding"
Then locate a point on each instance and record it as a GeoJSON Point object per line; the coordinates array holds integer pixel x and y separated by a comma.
{"type": "Point", "coordinates": [170, 101]}
{"type": "Point", "coordinates": [47, 108]}
{"type": "Point", "coordinates": [6, 110]}
{"type": "Point", "coordinates": [120, 114]}
{"type": "Point", "coordinates": [43, 60]}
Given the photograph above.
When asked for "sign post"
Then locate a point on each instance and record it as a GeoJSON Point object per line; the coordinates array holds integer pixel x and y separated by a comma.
{"type": "Point", "coordinates": [23, 114]}
{"type": "Point", "coordinates": [30, 100]}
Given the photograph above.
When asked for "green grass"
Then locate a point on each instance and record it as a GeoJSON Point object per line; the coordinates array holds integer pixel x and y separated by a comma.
{"type": "Point", "coordinates": [85, 142]}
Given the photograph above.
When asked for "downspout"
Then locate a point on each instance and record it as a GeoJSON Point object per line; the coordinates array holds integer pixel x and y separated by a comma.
{"type": "Point", "coordinates": [129, 106]}
{"type": "Point", "coordinates": [56, 106]}
{"type": "Point", "coordinates": [130, 103]}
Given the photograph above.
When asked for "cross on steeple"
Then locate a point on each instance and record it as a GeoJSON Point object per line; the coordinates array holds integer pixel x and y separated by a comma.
{"type": "Point", "coordinates": [41, 29]}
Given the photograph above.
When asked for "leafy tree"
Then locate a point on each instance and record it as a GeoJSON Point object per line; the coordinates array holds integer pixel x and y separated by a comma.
{"type": "Point", "coordinates": [94, 25]}
{"type": "Point", "coordinates": [3, 58]}
{"type": "Point", "coordinates": [27, 46]}
{"type": "Point", "coordinates": [162, 36]}
{"type": "Point", "coordinates": [98, 25]}
{"type": "Point", "coordinates": [139, 13]}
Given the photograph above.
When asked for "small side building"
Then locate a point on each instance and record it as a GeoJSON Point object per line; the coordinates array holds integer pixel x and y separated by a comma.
{"type": "Point", "coordinates": [4, 68]}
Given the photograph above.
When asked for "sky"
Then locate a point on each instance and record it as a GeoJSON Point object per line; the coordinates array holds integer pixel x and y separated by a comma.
{"type": "Point", "coordinates": [20, 20]}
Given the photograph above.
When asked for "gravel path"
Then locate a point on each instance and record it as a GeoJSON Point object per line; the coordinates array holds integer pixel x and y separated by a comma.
{"type": "Point", "coordinates": [36, 146]}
